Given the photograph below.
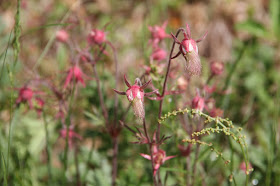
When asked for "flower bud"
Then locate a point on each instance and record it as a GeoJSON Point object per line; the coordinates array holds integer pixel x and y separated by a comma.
{"type": "Point", "coordinates": [62, 36]}
{"type": "Point", "coordinates": [159, 54]}
{"type": "Point", "coordinates": [217, 68]}
{"type": "Point", "coordinates": [198, 103]}
{"type": "Point", "coordinates": [96, 36]}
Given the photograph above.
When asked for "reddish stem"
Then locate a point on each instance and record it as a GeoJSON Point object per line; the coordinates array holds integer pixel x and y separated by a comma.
{"type": "Point", "coordinates": [165, 82]}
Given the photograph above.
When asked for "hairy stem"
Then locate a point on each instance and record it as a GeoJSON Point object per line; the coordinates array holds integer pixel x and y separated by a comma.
{"type": "Point", "coordinates": [115, 161]}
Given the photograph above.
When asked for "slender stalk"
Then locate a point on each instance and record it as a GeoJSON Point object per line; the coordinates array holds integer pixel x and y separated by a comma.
{"type": "Point", "coordinates": [151, 150]}
{"type": "Point", "coordinates": [101, 99]}
{"type": "Point", "coordinates": [163, 92]}
{"type": "Point", "coordinates": [115, 160]}
{"type": "Point", "coordinates": [78, 182]}
{"type": "Point", "coordinates": [165, 83]}
{"type": "Point", "coordinates": [48, 149]}
{"type": "Point", "coordinates": [68, 122]}
{"type": "Point", "coordinates": [194, 163]}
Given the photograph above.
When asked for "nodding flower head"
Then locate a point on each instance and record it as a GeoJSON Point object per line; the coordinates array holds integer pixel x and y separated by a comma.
{"type": "Point", "coordinates": [198, 102]}
{"type": "Point", "coordinates": [217, 67]}
{"type": "Point", "coordinates": [74, 73]}
{"type": "Point", "coordinates": [62, 36]}
{"type": "Point", "coordinates": [96, 36]}
{"type": "Point", "coordinates": [158, 32]}
{"type": "Point", "coordinates": [25, 95]}
{"type": "Point", "coordinates": [135, 94]}
{"type": "Point", "coordinates": [159, 157]}
{"type": "Point", "coordinates": [159, 54]}
{"type": "Point", "coordinates": [188, 48]}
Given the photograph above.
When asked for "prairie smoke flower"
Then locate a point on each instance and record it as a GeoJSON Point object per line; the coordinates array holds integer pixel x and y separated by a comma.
{"type": "Point", "coordinates": [135, 94]}
{"type": "Point", "coordinates": [243, 167]}
{"type": "Point", "coordinates": [159, 157]}
{"type": "Point", "coordinates": [198, 102]}
{"type": "Point", "coordinates": [217, 68]}
{"type": "Point", "coordinates": [72, 135]}
{"type": "Point", "coordinates": [182, 83]}
{"type": "Point", "coordinates": [96, 36]}
{"type": "Point", "coordinates": [62, 36]}
{"type": "Point", "coordinates": [159, 54]}
{"type": "Point", "coordinates": [188, 48]}
{"type": "Point", "coordinates": [158, 33]}
{"type": "Point", "coordinates": [25, 95]}
{"type": "Point", "coordinates": [76, 74]}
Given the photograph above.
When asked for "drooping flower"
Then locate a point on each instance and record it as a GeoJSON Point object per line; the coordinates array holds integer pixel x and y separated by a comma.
{"type": "Point", "coordinates": [243, 167]}
{"type": "Point", "coordinates": [158, 33]}
{"type": "Point", "coordinates": [198, 102]}
{"type": "Point", "coordinates": [217, 67]}
{"type": "Point", "coordinates": [135, 94]}
{"type": "Point", "coordinates": [188, 48]}
{"type": "Point", "coordinates": [159, 157]}
{"type": "Point", "coordinates": [159, 54]}
{"type": "Point", "coordinates": [96, 36]}
{"type": "Point", "coordinates": [74, 73]}
{"type": "Point", "coordinates": [62, 36]}
{"type": "Point", "coordinates": [25, 95]}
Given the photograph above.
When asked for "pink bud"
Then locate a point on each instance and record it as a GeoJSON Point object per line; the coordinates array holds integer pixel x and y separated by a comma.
{"type": "Point", "coordinates": [25, 95]}
{"type": "Point", "coordinates": [62, 36]}
{"type": "Point", "coordinates": [216, 112]}
{"type": "Point", "coordinates": [185, 151]}
{"type": "Point", "coordinates": [188, 45]}
{"type": "Point", "coordinates": [74, 73]}
{"type": "Point", "coordinates": [159, 54]}
{"type": "Point", "coordinates": [217, 68]}
{"type": "Point", "coordinates": [158, 32]}
{"type": "Point", "coordinates": [243, 167]}
{"type": "Point", "coordinates": [96, 36]}
{"type": "Point", "coordinates": [182, 83]}
{"type": "Point", "coordinates": [198, 103]}
{"type": "Point", "coordinates": [72, 135]}
{"type": "Point", "coordinates": [39, 105]}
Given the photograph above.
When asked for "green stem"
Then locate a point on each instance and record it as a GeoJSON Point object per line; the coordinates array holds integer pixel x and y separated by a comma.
{"type": "Point", "coordinates": [48, 149]}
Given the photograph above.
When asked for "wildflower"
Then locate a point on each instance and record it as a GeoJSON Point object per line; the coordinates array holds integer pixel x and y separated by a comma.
{"type": "Point", "coordinates": [96, 36]}
{"type": "Point", "coordinates": [25, 95]}
{"type": "Point", "coordinates": [72, 135]}
{"type": "Point", "coordinates": [243, 167]}
{"type": "Point", "coordinates": [76, 74]}
{"type": "Point", "coordinates": [188, 48]}
{"type": "Point", "coordinates": [158, 32]}
{"type": "Point", "coordinates": [159, 157]}
{"type": "Point", "coordinates": [217, 68]}
{"type": "Point", "coordinates": [135, 94]}
{"type": "Point", "coordinates": [182, 83]}
{"type": "Point", "coordinates": [159, 54]}
{"type": "Point", "coordinates": [62, 36]}
{"type": "Point", "coordinates": [198, 102]}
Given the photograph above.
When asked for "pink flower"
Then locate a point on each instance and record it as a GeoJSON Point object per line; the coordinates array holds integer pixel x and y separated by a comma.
{"type": "Point", "coordinates": [243, 167]}
{"type": "Point", "coordinates": [188, 48]}
{"type": "Point", "coordinates": [135, 94]}
{"type": "Point", "coordinates": [198, 102]}
{"type": "Point", "coordinates": [25, 95]}
{"type": "Point", "coordinates": [96, 36]}
{"type": "Point", "coordinates": [62, 36]}
{"type": "Point", "coordinates": [182, 83]}
{"type": "Point", "coordinates": [217, 68]}
{"type": "Point", "coordinates": [74, 73]}
{"type": "Point", "coordinates": [159, 54]}
{"type": "Point", "coordinates": [158, 32]}
{"type": "Point", "coordinates": [72, 135]}
{"type": "Point", "coordinates": [159, 157]}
